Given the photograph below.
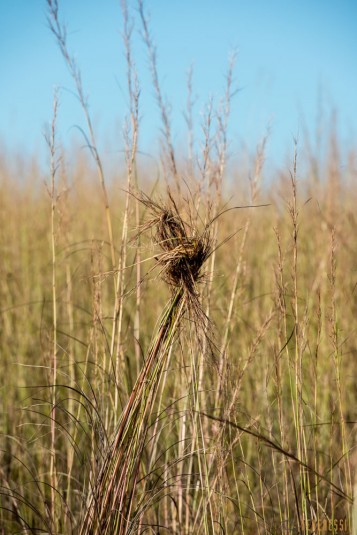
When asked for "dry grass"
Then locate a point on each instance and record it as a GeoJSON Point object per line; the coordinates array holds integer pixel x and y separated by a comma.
{"type": "Point", "coordinates": [294, 348]}
{"type": "Point", "coordinates": [116, 417]}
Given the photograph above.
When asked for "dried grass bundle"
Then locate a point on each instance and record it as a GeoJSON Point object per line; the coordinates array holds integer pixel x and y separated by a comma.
{"type": "Point", "coordinates": [183, 250]}
{"type": "Point", "coordinates": [183, 253]}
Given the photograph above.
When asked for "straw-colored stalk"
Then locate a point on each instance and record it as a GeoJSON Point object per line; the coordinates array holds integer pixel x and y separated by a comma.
{"type": "Point", "coordinates": [116, 490]}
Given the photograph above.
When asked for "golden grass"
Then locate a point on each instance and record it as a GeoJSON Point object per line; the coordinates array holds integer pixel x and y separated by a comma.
{"type": "Point", "coordinates": [217, 398]}
{"type": "Point", "coordinates": [285, 372]}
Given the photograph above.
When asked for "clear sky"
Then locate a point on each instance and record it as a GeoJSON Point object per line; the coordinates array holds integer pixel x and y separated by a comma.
{"type": "Point", "coordinates": [294, 56]}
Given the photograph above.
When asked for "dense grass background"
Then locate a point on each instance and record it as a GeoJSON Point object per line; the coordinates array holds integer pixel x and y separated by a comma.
{"type": "Point", "coordinates": [250, 431]}
{"type": "Point", "coordinates": [282, 306]}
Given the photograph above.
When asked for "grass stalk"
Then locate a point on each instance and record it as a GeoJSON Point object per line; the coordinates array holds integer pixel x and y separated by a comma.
{"type": "Point", "coordinates": [53, 194]}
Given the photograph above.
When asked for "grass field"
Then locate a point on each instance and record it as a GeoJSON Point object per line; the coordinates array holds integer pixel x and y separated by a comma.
{"type": "Point", "coordinates": [172, 362]}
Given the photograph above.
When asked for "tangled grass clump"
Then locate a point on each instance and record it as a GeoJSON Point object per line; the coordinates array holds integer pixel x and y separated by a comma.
{"type": "Point", "coordinates": [116, 503]}
{"type": "Point", "coordinates": [184, 249]}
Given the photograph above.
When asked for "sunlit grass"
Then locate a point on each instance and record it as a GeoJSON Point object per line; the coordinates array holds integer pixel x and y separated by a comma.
{"type": "Point", "coordinates": [170, 365]}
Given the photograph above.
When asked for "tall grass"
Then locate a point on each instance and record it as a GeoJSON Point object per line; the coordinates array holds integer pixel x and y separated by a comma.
{"type": "Point", "coordinates": [170, 364]}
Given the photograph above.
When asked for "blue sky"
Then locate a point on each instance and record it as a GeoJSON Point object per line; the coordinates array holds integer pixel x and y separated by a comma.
{"type": "Point", "coordinates": [293, 57]}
